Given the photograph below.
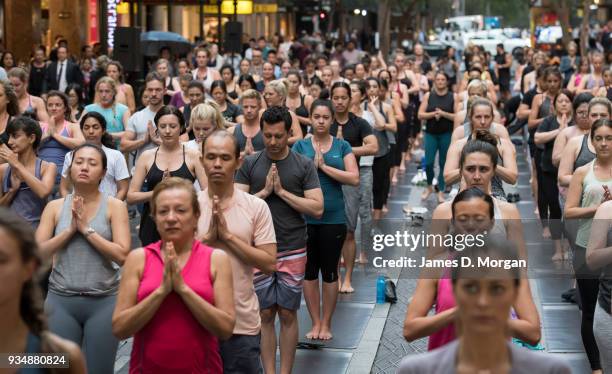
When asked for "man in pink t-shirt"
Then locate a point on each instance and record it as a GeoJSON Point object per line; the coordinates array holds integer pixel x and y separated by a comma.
{"type": "Point", "coordinates": [241, 225]}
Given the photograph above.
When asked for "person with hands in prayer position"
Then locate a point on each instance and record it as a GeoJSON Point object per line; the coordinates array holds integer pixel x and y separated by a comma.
{"type": "Point", "coordinates": [27, 181]}
{"type": "Point", "coordinates": [175, 295]}
{"type": "Point", "coordinates": [288, 182]}
{"type": "Point", "coordinates": [242, 226]}
{"type": "Point", "coordinates": [87, 234]}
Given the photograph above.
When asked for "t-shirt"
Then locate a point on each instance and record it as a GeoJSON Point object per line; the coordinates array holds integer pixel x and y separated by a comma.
{"type": "Point", "coordinates": [549, 124]}
{"type": "Point", "coordinates": [333, 199]}
{"type": "Point", "coordinates": [297, 174]}
{"type": "Point", "coordinates": [138, 125]}
{"type": "Point", "coordinates": [116, 170]}
{"type": "Point", "coordinates": [353, 131]}
{"type": "Point", "coordinates": [112, 115]}
{"type": "Point", "coordinates": [443, 361]}
{"type": "Point", "coordinates": [248, 217]}
{"type": "Point", "coordinates": [231, 112]}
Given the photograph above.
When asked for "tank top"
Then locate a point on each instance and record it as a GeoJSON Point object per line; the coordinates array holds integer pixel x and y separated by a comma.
{"type": "Point", "coordinates": [51, 150]}
{"type": "Point", "coordinates": [257, 140]}
{"type": "Point", "coordinates": [79, 269]}
{"type": "Point", "coordinates": [173, 341]}
{"type": "Point", "coordinates": [381, 135]}
{"type": "Point", "coordinates": [148, 230]}
{"type": "Point", "coordinates": [26, 203]}
{"type": "Point", "coordinates": [206, 81]}
{"type": "Point", "coordinates": [445, 103]}
{"type": "Point", "coordinates": [444, 292]}
{"type": "Point", "coordinates": [585, 155]}
{"type": "Point", "coordinates": [605, 281]}
{"type": "Point", "coordinates": [33, 345]}
{"type": "Point", "coordinates": [592, 81]}
{"type": "Point", "coordinates": [592, 193]}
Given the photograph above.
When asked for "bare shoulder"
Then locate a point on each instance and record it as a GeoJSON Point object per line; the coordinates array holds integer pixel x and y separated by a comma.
{"type": "Point", "coordinates": [442, 211]}
{"type": "Point", "coordinates": [508, 210]}
{"type": "Point", "coordinates": [582, 171]}
{"type": "Point", "coordinates": [115, 203]}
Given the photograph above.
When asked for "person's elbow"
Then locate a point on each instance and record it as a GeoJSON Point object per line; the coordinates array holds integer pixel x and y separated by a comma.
{"type": "Point", "coordinates": [410, 333]}
{"type": "Point", "coordinates": [533, 335]}
{"type": "Point", "coordinates": [130, 198]}
{"type": "Point", "coordinates": [511, 177]}
{"type": "Point", "coordinates": [353, 179]}
{"type": "Point", "coordinates": [226, 328]}
{"type": "Point", "coordinates": [317, 211]}
{"type": "Point", "coordinates": [119, 327]}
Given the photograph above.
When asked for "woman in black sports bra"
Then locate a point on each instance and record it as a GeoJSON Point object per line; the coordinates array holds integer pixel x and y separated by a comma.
{"type": "Point", "coordinates": [297, 103]}
{"type": "Point", "coordinates": [156, 164]}
{"type": "Point", "coordinates": [9, 107]}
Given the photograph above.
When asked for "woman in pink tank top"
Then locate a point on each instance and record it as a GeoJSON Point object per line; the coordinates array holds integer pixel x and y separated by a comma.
{"type": "Point", "coordinates": [176, 295]}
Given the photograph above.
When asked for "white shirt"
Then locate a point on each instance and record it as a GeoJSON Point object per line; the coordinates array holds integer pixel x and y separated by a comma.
{"type": "Point", "coordinates": [138, 125]}
{"type": "Point", "coordinates": [116, 170]}
{"type": "Point", "coordinates": [62, 83]}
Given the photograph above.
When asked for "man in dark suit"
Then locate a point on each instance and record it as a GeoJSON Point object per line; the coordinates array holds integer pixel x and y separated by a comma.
{"type": "Point", "coordinates": [62, 72]}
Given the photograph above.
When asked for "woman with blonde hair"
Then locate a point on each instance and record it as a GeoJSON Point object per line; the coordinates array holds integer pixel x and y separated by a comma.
{"type": "Point", "coordinates": [115, 113]}
{"type": "Point", "coordinates": [125, 92]}
{"type": "Point", "coordinates": [275, 94]}
{"type": "Point", "coordinates": [162, 67]}
{"type": "Point", "coordinates": [28, 104]}
{"type": "Point", "coordinates": [205, 119]}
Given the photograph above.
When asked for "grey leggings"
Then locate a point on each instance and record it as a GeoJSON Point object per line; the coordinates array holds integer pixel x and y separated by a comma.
{"type": "Point", "coordinates": [602, 328]}
{"type": "Point", "coordinates": [87, 321]}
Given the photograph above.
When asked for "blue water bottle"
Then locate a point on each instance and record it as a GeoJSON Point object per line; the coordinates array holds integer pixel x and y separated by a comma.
{"type": "Point", "coordinates": [380, 289]}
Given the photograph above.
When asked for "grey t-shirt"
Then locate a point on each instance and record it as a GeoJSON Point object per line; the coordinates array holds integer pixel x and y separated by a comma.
{"type": "Point", "coordinates": [138, 125]}
{"type": "Point", "coordinates": [443, 360]}
{"type": "Point", "coordinates": [297, 174]}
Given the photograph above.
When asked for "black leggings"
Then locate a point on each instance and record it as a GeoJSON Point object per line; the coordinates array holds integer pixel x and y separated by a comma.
{"type": "Point", "coordinates": [588, 288]}
{"type": "Point", "coordinates": [548, 201]}
{"type": "Point", "coordinates": [323, 248]}
{"type": "Point", "coordinates": [380, 179]}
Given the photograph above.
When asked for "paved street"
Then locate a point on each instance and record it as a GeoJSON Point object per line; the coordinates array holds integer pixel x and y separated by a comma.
{"type": "Point", "coordinates": [368, 337]}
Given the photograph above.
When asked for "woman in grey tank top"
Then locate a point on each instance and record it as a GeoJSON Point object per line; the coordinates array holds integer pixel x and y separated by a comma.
{"type": "Point", "coordinates": [27, 181]}
{"type": "Point", "coordinates": [88, 235]}
{"type": "Point", "coordinates": [599, 256]}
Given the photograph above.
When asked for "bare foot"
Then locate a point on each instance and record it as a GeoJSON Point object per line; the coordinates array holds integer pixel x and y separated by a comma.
{"type": "Point", "coordinates": [346, 288]}
{"type": "Point", "coordinates": [394, 180]}
{"type": "Point", "coordinates": [314, 332]}
{"type": "Point", "coordinates": [558, 256]}
{"type": "Point", "coordinates": [426, 194]}
{"type": "Point", "coordinates": [546, 233]}
{"type": "Point", "coordinates": [362, 258]}
{"type": "Point", "coordinates": [385, 210]}
{"type": "Point", "coordinates": [325, 333]}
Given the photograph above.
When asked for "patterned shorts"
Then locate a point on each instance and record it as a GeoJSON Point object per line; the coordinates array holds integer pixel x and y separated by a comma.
{"type": "Point", "coordinates": [284, 286]}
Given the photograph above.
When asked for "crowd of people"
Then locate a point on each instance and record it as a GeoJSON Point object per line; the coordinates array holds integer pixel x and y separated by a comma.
{"type": "Point", "coordinates": [250, 181]}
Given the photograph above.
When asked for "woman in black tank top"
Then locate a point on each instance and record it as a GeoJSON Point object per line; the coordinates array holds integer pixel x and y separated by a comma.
{"type": "Point", "coordinates": [437, 109]}
{"type": "Point", "coordinates": [150, 171]}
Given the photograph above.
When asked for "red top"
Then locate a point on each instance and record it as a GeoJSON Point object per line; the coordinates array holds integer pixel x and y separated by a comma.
{"type": "Point", "coordinates": [173, 341]}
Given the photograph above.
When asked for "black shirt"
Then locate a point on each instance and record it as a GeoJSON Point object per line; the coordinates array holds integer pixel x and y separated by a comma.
{"type": "Point", "coordinates": [353, 131]}
{"type": "Point", "coordinates": [550, 123]}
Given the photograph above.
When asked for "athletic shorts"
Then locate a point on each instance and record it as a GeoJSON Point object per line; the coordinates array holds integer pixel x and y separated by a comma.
{"type": "Point", "coordinates": [241, 354]}
{"type": "Point", "coordinates": [284, 286]}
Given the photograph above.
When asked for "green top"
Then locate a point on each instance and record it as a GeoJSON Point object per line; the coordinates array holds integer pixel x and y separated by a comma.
{"type": "Point", "coordinates": [592, 193]}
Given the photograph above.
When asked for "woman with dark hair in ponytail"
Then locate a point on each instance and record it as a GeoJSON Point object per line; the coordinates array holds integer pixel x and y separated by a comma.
{"type": "Point", "coordinates": [23, 325]}
{"type": "Point", "coordinates": [116, 180]}
{"type": "Point", "coordinates": [477, 164]}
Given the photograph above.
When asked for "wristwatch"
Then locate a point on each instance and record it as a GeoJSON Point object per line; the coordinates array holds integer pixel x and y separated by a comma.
{"type": "Point", "coordinates": [90, 230]}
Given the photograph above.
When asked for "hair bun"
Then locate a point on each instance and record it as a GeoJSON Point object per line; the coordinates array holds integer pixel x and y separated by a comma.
{"type": "Point", "coordinates": [486, 136]}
